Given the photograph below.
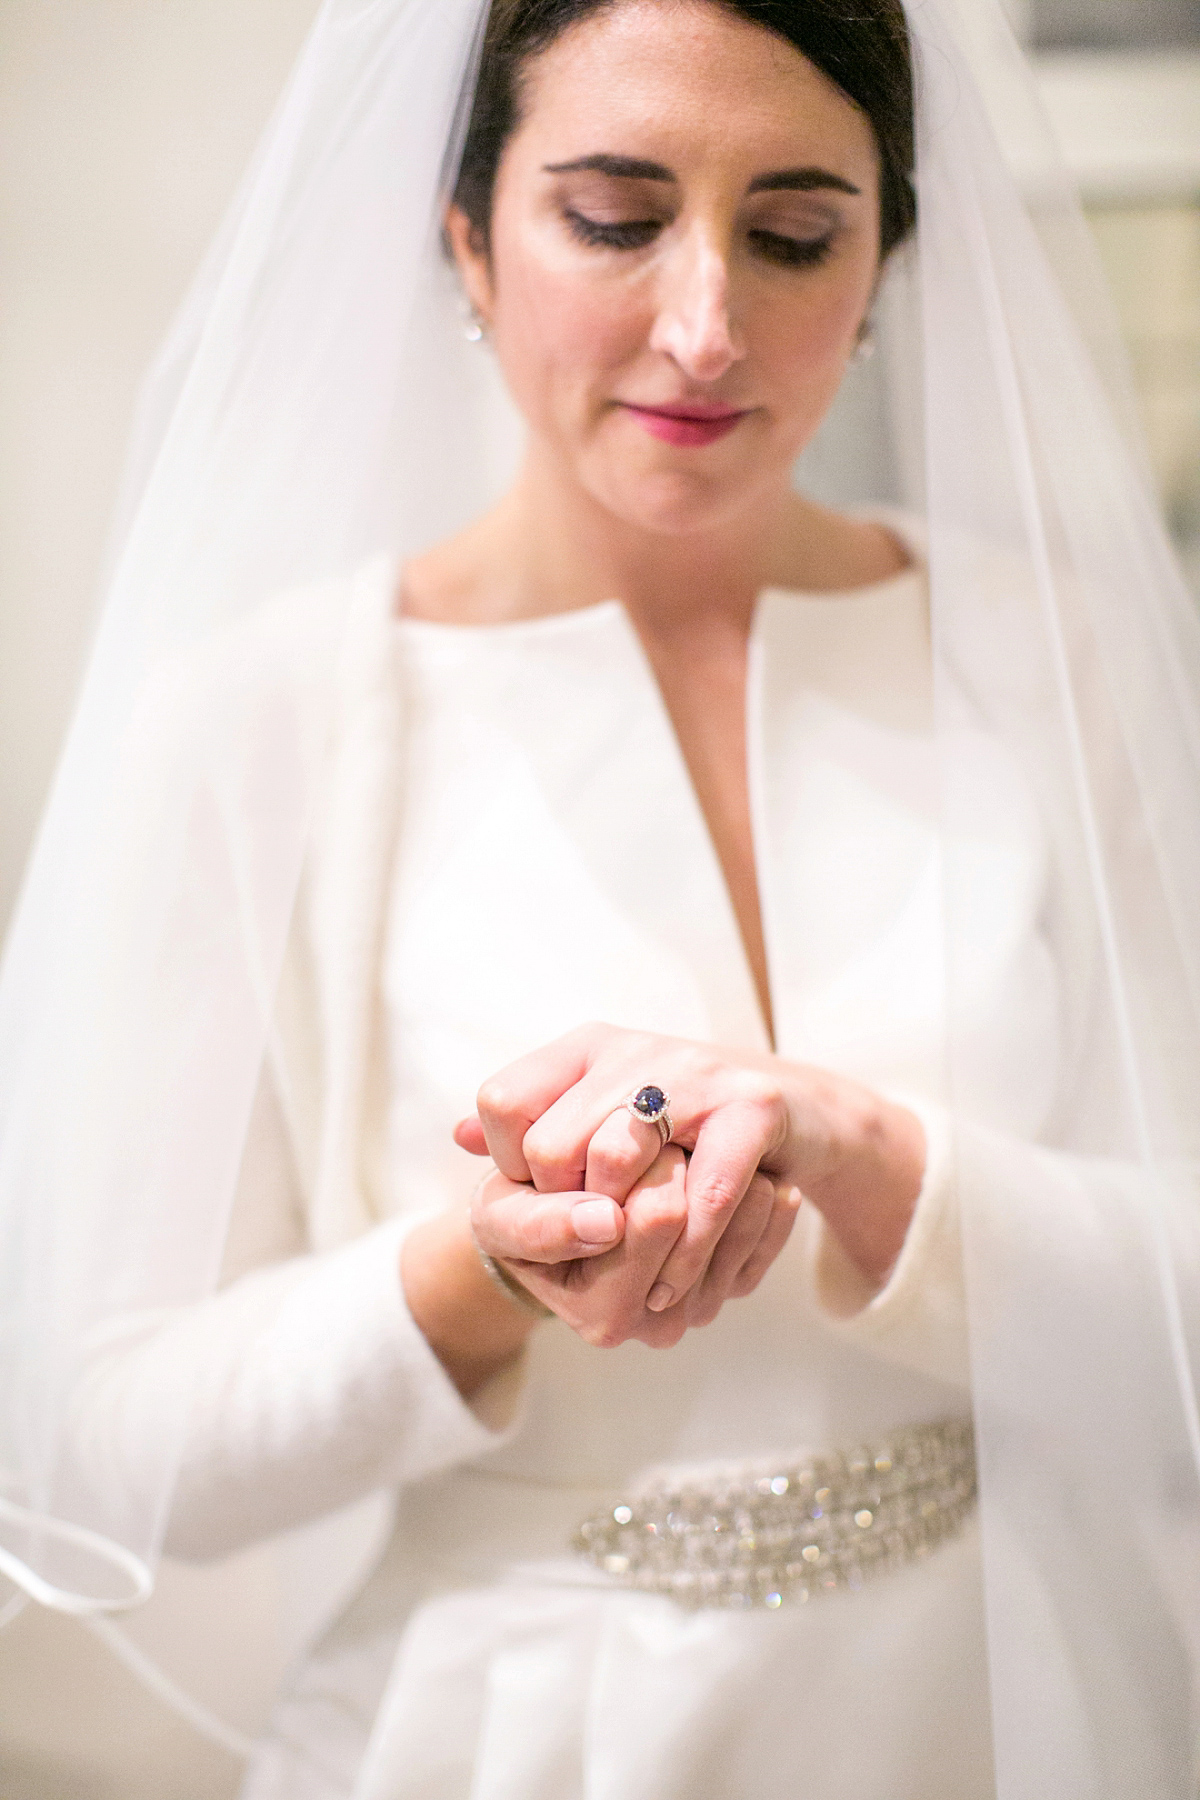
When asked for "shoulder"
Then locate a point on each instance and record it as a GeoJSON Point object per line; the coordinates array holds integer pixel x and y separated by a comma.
{"type": "Point", "coordinates": [291, 664]}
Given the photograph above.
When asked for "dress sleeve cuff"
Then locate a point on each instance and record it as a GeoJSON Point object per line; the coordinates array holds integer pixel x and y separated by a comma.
{"type": "Point", "coordinates": [918, 1318]}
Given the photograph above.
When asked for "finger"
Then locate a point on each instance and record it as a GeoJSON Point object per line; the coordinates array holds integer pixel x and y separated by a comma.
{"type": "Point", "coordinates": [605, 1300]}
{"type": "Point", "coordinates": [784, 1213]}
{"type": "Point", "coordinates": [468, 1135]}
{"type": "Point", "coordinates": [556, 1145]}
{"type": "Point", "coordinates": [619, 1153]}
{"type": "Point", "coordinates": [515, 1223]}
{"type": "Point", "coordinates": [728, 1150]}
{"type": "Point", "coordinates": [510, 1101]}
{"type": "Point", "coordinates": [737, 1244]}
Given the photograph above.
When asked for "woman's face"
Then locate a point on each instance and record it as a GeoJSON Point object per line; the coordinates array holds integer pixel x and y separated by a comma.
{"type": "Point", "coordinates": [684, 245]}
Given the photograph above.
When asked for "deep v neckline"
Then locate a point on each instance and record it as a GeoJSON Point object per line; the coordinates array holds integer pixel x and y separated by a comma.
{"type": "Point", "coordinates": [568, 632]}
{"type": "Point", "coordinates": [608, 620]}
{"type": "Point", "coordinates": [750, 914]}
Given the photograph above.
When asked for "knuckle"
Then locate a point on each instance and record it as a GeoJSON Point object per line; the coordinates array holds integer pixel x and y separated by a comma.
{"type": "Point", "coordinates": [765, 1099]}
{"type": "Point", "coordinates": [543, 1236]}
{"type": "Point", "coordinates": [592, 1035]}
{"type": "Point", "coordinates": [612, 1160]}
{"type": "Point", "coordinates": [665, 1210]}
{"type": "Point", "coordinates": [603, 1335]}
{"type": "Point", "coordinates": [718, 1195]}
{"type": "Point", "coordinates": [543, 1150]}
{"type": "Point", "coordinates": [494, 1099]}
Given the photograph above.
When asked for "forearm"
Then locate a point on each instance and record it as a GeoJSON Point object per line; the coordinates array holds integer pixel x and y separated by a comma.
{"type": "Point", "coordinates": [867, 1183]}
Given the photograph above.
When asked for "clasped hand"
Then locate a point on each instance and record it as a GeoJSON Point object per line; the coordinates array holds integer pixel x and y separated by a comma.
{"type": "Point", "coordinates": [625, 1239]}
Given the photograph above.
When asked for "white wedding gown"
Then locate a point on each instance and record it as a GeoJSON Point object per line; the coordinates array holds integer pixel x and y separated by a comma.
{"type": "Point", "coordinates": [549, 864]}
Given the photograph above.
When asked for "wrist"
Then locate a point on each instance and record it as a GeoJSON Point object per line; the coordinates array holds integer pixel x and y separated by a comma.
{"type": "Point", "coordinates": [513, 1290]}
{"type": "Point", "coordinates": [867, 1182]}
{"type": "Point", "coordinates": [473, 1328]}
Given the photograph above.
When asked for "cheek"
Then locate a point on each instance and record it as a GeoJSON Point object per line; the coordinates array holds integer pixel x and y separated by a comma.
{"type": "Point", "coordinates": [802, 352]}
{"type": "Point", "coordinates": [562, 338]}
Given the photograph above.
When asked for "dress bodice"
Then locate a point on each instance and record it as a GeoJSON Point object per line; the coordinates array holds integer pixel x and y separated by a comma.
{"type": "Point", "coordinates": [554, 866]}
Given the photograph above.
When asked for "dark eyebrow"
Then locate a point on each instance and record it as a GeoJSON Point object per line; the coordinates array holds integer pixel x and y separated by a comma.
{"type": "Point", "coordinates": [628, 167]}
{"type": "Point", "coordinates": [631, 168]}
{"type": "Point", "coordinates": [801, 181]}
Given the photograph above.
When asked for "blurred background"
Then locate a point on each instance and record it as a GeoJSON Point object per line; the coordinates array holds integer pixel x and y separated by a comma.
{"type": "Point", "coordinates": [124, 126]}
{"type": "Point", "coordinates": [1122, 82]}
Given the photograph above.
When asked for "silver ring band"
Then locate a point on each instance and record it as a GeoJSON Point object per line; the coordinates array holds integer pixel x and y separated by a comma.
{"type": "Point", "coordinates": [649, 1104]}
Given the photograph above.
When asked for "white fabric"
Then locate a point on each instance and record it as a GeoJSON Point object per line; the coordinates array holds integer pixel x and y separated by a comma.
{"type": "Point", "coordinates": [315, 1386]}
{"type": "Point", "coordinates": [310, 1386]}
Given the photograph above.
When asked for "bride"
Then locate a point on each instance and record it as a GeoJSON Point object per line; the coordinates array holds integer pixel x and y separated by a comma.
{"type": "Point", "coordinates": [655, 1331]}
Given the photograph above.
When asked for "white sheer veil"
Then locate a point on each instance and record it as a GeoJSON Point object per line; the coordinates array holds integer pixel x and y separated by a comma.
{"type": "Point", "coordinates": [316, 405]}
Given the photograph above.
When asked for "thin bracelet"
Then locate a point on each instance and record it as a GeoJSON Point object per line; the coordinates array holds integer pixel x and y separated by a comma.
{"type": "Point", "coordinates": [508, 1284]}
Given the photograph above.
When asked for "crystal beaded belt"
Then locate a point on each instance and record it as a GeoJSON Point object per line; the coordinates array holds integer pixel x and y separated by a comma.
{"type": "Point", "coordinates": [765, 1534]}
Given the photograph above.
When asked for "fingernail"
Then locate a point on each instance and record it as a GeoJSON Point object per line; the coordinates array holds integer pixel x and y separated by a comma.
{"type": "Point", "coordinates": [596, 1221]}
{"type": "Point", "coordinates": [660, 1297]}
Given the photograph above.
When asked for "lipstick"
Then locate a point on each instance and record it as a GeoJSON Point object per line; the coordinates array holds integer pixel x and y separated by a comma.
{"type": "Point", "coordinates": [690, 426]}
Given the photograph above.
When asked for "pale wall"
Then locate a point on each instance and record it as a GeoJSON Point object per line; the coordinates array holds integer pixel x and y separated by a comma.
{"type": "Point", "coordinates": [124, 125]}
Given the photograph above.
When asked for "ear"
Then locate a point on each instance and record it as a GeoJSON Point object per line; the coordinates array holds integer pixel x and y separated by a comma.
{"type": "Point", "coordinates": [471, 259]}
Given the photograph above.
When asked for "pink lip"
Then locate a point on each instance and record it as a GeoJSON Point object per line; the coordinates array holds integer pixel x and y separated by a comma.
{"type": "Point", "coordinates": [690, 426]}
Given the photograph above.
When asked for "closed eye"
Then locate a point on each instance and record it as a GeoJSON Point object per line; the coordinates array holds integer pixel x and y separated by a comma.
{"type": "Point", "coordinates": [790, 252]}
{"type": "Point", "coordinates": [624, 234]}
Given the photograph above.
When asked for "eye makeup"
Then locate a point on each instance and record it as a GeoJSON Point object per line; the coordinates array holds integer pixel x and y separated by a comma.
{"type": "Point", "coordinates": [622, 204]}
{"type": "Point", "coordinates": [619, 234]}
{"type": "Point", "coordinates": [782, 248]}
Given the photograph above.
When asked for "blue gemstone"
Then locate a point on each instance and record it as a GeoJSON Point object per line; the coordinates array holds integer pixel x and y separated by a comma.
{"type": "Point", "coordinates": [650, 1102]}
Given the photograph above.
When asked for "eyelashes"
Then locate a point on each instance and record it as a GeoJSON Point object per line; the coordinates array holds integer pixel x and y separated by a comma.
{"type": "Point", "coordinates": [634, 234]}
{"type": "Point", "coordinates": [790, 252]}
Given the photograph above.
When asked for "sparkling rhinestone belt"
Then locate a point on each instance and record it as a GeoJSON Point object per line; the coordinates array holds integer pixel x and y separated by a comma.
{"type": "Point", "coordinates": [763, 1535]}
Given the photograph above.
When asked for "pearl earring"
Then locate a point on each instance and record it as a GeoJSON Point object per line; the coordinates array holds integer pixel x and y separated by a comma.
{"type": "Point", "coordinates": [864, 350]}
{"type": "Point", "coordinates": [473, 328]}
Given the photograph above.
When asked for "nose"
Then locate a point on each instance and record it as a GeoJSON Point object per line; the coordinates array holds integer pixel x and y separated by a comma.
{"type": "Point", "coordinates": [694, 326]}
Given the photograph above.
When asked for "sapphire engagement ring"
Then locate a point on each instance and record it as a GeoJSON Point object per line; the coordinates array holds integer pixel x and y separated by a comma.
{"type": "Point", "coordinates": [649, 1104]}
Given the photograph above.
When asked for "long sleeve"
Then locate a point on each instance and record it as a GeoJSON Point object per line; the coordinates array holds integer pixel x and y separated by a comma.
{"type": "Point", "coordinates": [304, 1381]}
{"type": "Point", "coordinates": [1048, 1229]}
{"type": "Point", "coordinates": [307, 1385]}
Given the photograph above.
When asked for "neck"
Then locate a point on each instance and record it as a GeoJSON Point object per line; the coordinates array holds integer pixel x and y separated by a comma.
{"type": "Point", "coordinates": [565, 549]}
{"type": "Point", "coordinates": [551, 547]}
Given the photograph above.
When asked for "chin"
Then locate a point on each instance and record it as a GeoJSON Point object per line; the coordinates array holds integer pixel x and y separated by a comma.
{"type": "Point", "coordinates": [672, 502]}
{"type": "Point", "coordinates": [666, 499]}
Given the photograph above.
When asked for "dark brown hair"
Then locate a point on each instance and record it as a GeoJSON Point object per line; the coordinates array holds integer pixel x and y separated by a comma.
{"type": "Point", "coordinates": [861, 45]}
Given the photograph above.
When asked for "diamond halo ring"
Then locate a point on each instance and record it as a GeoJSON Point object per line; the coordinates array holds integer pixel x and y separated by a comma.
{"type": "Point", "coordinates": [649, 1104]}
